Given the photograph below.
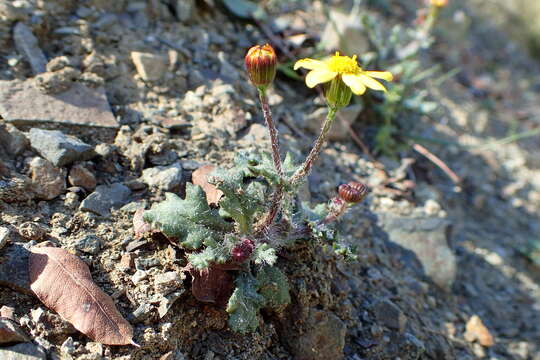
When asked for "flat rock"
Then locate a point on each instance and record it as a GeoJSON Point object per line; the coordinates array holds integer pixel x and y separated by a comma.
{"type": "Point", "coordinates": [427, 238]}
{"type": "Point", "coordinates": [60, 149]}
{"type": "Point", "coordinates": [24, 351]}
{"type": "Point", "coordinates": [149, 66]}
{"type": "Point", "coordinates": [23, 103]}
{"type": "Point", "coordinates": [48, 181]}
{"type": "Point", "coordinates": [79, 175]}
{"type": "Point", "coordinates": [12, 139]}
{"type": "Point", "coordinates": [27, 45]}
{"type": "Point", "coordinates": [14, 268]}
{"type": "Point", "coordinates": [4, 236]}
{"type": "Point", "coordinates": [164, 177]}
{"type": "Point", "coordinates": [389, 315]}
{"type": "Point", "coordinates": [106, 197]}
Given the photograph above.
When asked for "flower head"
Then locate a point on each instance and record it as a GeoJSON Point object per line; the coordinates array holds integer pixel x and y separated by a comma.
{"type": "Point", "coordinates": [353, 192]}
{"type": "Point", "coordinates": [439, 3]}
{"type": "Point", "coordinates": [345, 76]}
{"type": "Point", "coordinates": [261, 63]}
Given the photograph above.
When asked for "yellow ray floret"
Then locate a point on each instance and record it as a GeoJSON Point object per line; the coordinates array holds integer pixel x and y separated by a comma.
{"type": "Point", "coordinates": [347, 68]}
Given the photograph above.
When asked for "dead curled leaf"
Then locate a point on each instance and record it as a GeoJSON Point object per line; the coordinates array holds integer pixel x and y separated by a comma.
{"type": "Point", "coordinates": [200, 177]}
{"type": "Point", "coordinates": [64, 284]}
{"type": "Point", "coordinates": [212, 285]}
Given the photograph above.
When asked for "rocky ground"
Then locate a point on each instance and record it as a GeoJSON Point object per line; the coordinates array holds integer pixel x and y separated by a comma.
{"type": "Point", "coordinates": [106, 105]}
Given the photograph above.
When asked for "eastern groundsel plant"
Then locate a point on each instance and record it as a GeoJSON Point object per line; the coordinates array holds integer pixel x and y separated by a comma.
{"type": "Point", "coordinates": [238, 239]}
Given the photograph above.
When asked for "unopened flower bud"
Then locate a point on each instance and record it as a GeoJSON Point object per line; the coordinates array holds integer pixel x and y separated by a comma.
{"type": "Point", "coordinates": [261, 65]}
{"type": "Point", "coordinates": [243, 250]}
{"type": "Point", "coordinates": [337, 93]}
{"type": "Point", "coordinates": [353, 192]}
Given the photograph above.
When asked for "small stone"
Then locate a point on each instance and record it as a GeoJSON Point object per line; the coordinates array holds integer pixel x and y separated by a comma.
{"type": "Point", "coordinates": [11, 333]}
{"type": "Point", "coordinates": [428, 239]}
{"type": "Point", "coordinates": [168, 282]}
{"type": "Point", "coordinates": [127, 261]}
{"type": "Point", "coordinates": [12, 139]}
{"type": "Point", "coordinates": [58, 63]}
{"type": "Point", "coordinates": [183, 9]}
{"type": "Point", "coordinates": [14, 268]}
{"type": "Point", "coordinates": [48, 181]}
{"type": "Point", "coordinates": [477, 331]}
{"type": "Point", "coordinates": [432, 207]}
{"type": "Point", "coordinates": [23, 103]}
{"type": "Point", "coordinates": [57, 82]}
{"type": "Point", "coordinates": [167, 178]}
{"type": "Point", "coordinates": [150, 67]}
{"type": "Point", "coordinates": [90, 244]}
{"type": "Point", "coordinates": [7, 312]}
{"type": "Point", "coordinates": [94, 348]}
{"type": "Point", "coordinates": [58, 148]}
{"type": "Point", "coordinates": [143, 312]}
{"type": "Point", "coordinates": [325, 339]}
{"type": "Point", "coordinates": [389, 315]}
{"type": "Point", "coordinates": [81, 176]}
{"type": "Point", "coordinates": [167, 302]}
{"type": "Point", "coordinates": [136, 244]}
{"type": "Point", "coordinates": [32, 231]}
{"type": "Point", "coordinates": [139, 276]}
{"type": "Point", "coordinates": [67, 347]}
{"type": "Point", "coordinates": [106, 197]}
{"type": "Point", "coordinates": [4, 236]}
{"type": "Point", "coordinates": [27, 45]}
{"type": "Point", "coordinates": [24, 351]}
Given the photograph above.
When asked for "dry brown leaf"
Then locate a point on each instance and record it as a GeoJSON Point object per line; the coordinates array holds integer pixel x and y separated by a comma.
{"type": "Point", "coordinates": [200, 177]}
{"type": "Point", "coordinates": [476, 330]}
{"type": "Point", "coordinates": [212, 285]}
{"type": "Point", "coordinates": [64, 284]}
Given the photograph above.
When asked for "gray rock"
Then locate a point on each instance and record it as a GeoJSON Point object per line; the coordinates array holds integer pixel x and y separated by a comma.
{"type": "Point", "coordinates": [12, 139]}
{"type": "Point", "coordinates": [14, 268]}
{"type": "Point", "coordinates": [27, 45]}
{"type": "Point", "coordinates": [90, 244]}
{"type": "Point", "coordinates": [59, 148]}
{"type": "Point", "coordinates": [23, 103]}
{"type": "Point", "coordinates": [149, 66]}
{"type": "Point", "coordinates": [24, 351]}
{"type": "Point", "coordinates": [143, 312]}
{"type": "Point", "coordinates": [183, 9]}
{"type": "Point", "coordinates": [106, 197]}
{"type": "Point", "coordinates": [4, 236]}
{"type": "Point", "coordinates": [389, 315]}
{"type": "Point", "coordinates": [164, 177]}
{"type": "Point", "coordinates": [325, 339]}
{"type": "Point", "coordinates": [168, 282]}
{"type": "Point", "coordinates": [167, 302]}
{"type": "Point", "coordinates": [428, 239]}
{"type": "Point", "coordinates": [48, 181]}
{"type": "Point", "coordinates": [79, 175]}
{"type": "Point", "coordinates": [11, 333]}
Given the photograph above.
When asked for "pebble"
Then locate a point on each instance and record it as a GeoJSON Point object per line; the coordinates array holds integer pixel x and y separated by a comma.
{"type": "Point", "coordinates": [150, 67]}
{"type": "Point", "coordinates": [79, 175]}
{"type": "Point", "coordinates": [27, 45]}
{"type": "Point", "coordinates": [168, 282]}
{"type": "Point", "coordinates": [183, 9]}
{"type": "Point", "coordinates": [143, 312]}
{"type": "Point", "coordinates": [427, 237]}
{"type": "Point", "coordinates": [106, 197]}
{"type": "Point", "coordinates": [60, 149]}
{"type": "Point", "coordinates": [139, 276]}
{"type": "Point", "coordinates": [24, 351]}
{"type": "Point", "coordinates": [32, 231]}
{"type": "Point", "coordinates": [21, 102]}
{"type": "Point", "coordinates": [48, 181]}
{"type": "Point", "coordinates": [14, 268]}
{"type": "Point", "coordinates": [4, 236]}
{"type": "Point", "coordinates": [389, 315]}
{"type": "Point", "coordinates": [166, 178]}
{"type": "Point", "coordinates": [11, 333]}
{"type": "Point", "coordinates": [12, 139]}
{"type": "Point", "coordinates": [90, 244]}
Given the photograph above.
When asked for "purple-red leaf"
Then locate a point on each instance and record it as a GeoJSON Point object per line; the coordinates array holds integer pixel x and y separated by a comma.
{"type": "Point", "coordinates": [64, 284]}
{"type": "Point", "coordinates": [213, 285]}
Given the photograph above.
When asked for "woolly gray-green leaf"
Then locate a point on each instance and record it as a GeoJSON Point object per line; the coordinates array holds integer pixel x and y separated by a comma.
{"type": "Point", "coordinates": [191, 221]}
{"type": "Point", "coordinates": [274, 286]}
{"type": "Point", "coordinates": [244, 305]}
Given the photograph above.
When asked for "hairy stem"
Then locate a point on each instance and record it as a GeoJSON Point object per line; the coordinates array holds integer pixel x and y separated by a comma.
{"type": "Point", "coordinates": [314, 154]}
{"type": "Point", "coordinates": [278, 193]}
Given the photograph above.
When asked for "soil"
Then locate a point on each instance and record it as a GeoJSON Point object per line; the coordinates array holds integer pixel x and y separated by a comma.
{"type": "Point", "coordinates": [194, 106]}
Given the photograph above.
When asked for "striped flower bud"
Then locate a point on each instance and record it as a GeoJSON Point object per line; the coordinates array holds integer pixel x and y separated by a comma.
{"type": "Point", "coordinates": [261, 65]}
{"type": "Point", "coordinates": [353, 192]}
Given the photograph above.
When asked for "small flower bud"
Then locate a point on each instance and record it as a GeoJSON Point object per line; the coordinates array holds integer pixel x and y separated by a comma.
{"type": "Point", "coordinates": [337, 93]}
{"type": "Point", "coordinates": [353, 192]}
{"type": "Point", "coordinates": [243, 250]}
{"type": "Point", "coordinates": [261, 64]}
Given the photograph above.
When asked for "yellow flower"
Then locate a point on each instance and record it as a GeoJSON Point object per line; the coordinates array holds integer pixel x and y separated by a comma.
{"type": "Point", "coordinates": [439, 3]}
{"type": "Point", "coordinates": [342, 68]}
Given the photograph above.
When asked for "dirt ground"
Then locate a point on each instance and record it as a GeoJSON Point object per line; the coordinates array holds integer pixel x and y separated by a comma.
{"type": "Point", "coordinates": [433, 254]}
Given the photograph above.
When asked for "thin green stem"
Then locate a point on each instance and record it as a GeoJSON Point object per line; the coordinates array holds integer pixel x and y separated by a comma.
{"type": "Point", "coordinates": [314, 153]}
